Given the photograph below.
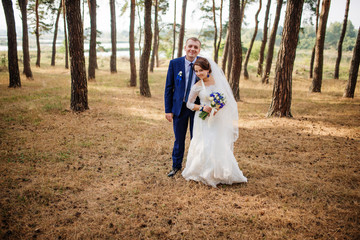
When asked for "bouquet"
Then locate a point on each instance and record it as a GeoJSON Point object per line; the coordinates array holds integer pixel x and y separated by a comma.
{"type": "Point", "coordinates": [217, 101]}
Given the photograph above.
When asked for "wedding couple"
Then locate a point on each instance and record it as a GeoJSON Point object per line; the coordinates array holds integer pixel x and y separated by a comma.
{"type": "Point", "coordinates": [189, 83]}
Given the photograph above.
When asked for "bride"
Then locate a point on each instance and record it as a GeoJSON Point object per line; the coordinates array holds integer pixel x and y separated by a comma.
{"type": "Point", "coordinates": [210, 157]}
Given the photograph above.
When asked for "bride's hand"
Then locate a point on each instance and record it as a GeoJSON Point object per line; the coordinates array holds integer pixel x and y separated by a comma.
{"type": "Point", "coordinates": [207, 109]}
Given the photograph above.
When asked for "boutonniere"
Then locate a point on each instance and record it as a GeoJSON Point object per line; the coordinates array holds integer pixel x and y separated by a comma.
{"type": "Point", "coordinates": [179, 76]}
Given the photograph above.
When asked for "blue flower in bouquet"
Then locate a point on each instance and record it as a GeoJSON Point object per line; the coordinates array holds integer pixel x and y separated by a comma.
{"type": "Point", "coordinates": [217, 101]}
{"type": "Point", "coordinates": [179, 76]}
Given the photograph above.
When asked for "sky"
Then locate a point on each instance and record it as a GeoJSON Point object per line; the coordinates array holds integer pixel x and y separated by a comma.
{"type": "Point", "coordinates": [337, 10]}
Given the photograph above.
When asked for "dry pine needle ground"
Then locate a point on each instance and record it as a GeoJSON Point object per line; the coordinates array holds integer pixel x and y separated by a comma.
{"type": "Point", "coordinates": [101, 174]}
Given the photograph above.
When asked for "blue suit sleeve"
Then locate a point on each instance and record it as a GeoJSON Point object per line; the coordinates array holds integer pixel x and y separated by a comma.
{"type": "Point", "coordinates": [169, 88]}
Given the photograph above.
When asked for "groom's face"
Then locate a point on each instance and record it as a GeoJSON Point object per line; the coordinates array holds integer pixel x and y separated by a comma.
{"type": "Point", "coordinates": [192, 49]}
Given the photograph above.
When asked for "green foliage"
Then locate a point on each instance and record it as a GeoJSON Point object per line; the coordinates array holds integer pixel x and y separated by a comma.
{"type": "Point", "coordinates": [307, 37]}
{"type": "Point", "coordinates": [46, 11]}
{"type": "Point", "coordinates": [3, 61]}
{"type": "Point", "coordinates": [255, 51]}
{"type": "Point", "coordinates": [166, 38]}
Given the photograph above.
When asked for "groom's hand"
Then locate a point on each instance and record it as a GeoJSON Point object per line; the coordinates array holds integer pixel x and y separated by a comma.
{"type": "Point", "coordinates": [169, 116]}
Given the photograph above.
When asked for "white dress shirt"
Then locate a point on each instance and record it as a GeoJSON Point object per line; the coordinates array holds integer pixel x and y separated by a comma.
{"type": "Point", "coordinates": [187, 72]}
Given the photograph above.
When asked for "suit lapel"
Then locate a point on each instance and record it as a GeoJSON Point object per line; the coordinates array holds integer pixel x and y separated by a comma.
{"type": "Point", "coordinates": [184, 74]}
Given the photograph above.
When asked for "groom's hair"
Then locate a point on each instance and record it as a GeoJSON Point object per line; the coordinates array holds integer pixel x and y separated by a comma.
{"type": "Point", "coordinates": [193, 39]}
{"type": "Point", "coordinates": [203, 63]}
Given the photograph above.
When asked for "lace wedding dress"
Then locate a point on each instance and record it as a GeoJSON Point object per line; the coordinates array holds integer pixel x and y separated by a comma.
{"type": "Point", "coordinates": [210, 157]}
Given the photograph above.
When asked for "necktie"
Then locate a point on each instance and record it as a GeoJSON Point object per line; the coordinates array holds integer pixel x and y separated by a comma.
{"type": "Point", "coordinates": [189, 82]}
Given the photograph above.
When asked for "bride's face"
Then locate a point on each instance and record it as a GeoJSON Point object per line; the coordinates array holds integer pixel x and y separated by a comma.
{"type": "Point", "coordinates": [201, 73]}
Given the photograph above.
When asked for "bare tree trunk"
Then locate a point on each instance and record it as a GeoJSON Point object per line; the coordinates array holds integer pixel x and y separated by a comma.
{"type": "Point", "coordinates": [174, 31]}
{"type": "Point", "coordinates": [79, 92]}
{"type": "Point", "coordinates": [220, 32]}
{"type": "Point", "coordinates": [226, 50]}
{"type": "Point", "coordinates": [248, 53]}
{"type": "Point", "coordinates": [144, 63]}
{"type": "Point", "coordinates": [27, 68]}
{"type": "Point", "coordinates": [156, 31]}
{"type": "Point", "coordinates": [113, 37]}
{"type": "Point", "coordinates": [316, 30]}
{"type": "Point", "coordinates": [215, 32]}
{"type": "Point", "coordinates": [341, 40]}
{"type": "Point", "coordinates": [157, 50]}
{"type": "Point", "coordinates": [37, 34]}
{"type": "Point", "coordinates": [66, 37]}
{"type": "Point", "coordinates": [55, 35]}
{"type": "Point", "coordinates": [319, 51]}
{"type": "Point", "coordinates": [83, 11]}
{"type": "Point", "coordinates": [92, 48]}
{"type": "Point", "coordinates": [140, 30]}
{"type": "Point", "coordinates": [270, 53]}
{"type": "Point", "coordinates": [132, 45]}
{"type": "Point", "coordinates": [235, 23]}
{"type": "Point", "coordinates": [13, 66]}
{"type": "Point", "coordinates": [282, 91]}
{"type": "Point", "coordinates": [229, 57]}
{"type": "Point", "coordinates": [264, 40]}
{"type": "Point", "coordinates": [182, 29]}
{"type": "Point", "coordinates": [354, 69]}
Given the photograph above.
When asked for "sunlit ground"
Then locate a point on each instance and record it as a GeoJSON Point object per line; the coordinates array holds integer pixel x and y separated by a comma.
{"type": "Point", "coordinates": [101, 174]}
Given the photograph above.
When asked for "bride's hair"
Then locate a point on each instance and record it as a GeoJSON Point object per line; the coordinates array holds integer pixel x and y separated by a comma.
{"type": "Point", "coordinates": [203, 63]}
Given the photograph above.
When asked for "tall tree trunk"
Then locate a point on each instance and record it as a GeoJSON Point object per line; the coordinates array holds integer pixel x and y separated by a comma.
{"type": "Point", "coordinates": [92, 48]}
{"type": "Point", "coordinates": [13, 66]}
{"type": "Point", "coordinates": [319, 51]}
{"type": "Point", "coordinates": [215, 32]}
{"type": "Point", "coordinates": [37, 34]}
{"type": "Point", "coordinates": [27, 69]}
{"type": "Point", "coordinates": [220, 31]}
{"type": "Point", "coordinates": [83, 12]}
{"type": "Point", "coordinates": [235, 25]}
{"type": "Point", "coordinates": [55, 35]}
{"type": "Point", "coordinates": [282, 91]}
{"type": "Point", "coordinates": [316, 30]}
{"type": "Point", "coordinates": [174, 31]}
{"type": "Point", "coordinates": [156, 31]}
{"type": "Point", "coordinates": [140, 30]}
{"type": "Point", "coordinates": [132, 45]}
{"type": "Point", "coordinates": [113, 37]}
{"type": "Point", "coordinates": [354, 69]}
{"type": "Point", "coordinates": [157, 50]}
{"type": "Point", "coordinates": [229, 58]}
{"type": "Point", "coordinates": [341, 40]}
{"type": "Point", "coordinates": [182, 29]}
{"type": "Point", "coordinates": [66, 37]}
{"type": "Point", "coordinates": [144, 62]}
{"type": "Point", "coordinates": [226, 50]}
{"type": "Point", "coordinates": [270, 53]}
{"type": "Point", "coordinates": [264, 40]}
{"type": "Point", "coordinates": [248, 53]}
{"type": "Point", "coordinates": [79, 92]}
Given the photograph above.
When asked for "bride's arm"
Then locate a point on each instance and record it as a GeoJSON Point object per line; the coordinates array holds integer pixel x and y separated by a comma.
{"type": "Point", "coordinates": [194, 93]}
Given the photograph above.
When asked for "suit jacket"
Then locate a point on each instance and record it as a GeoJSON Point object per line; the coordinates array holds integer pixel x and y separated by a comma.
{"type": "Point", "coordinates": [175, 86]}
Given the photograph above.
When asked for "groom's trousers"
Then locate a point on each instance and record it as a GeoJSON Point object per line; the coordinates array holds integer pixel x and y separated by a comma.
{"type": "Point", "coordinates": [180, 124]}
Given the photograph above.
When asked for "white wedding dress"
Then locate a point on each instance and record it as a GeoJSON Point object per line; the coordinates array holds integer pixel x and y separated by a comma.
{"type": "Point", "coordinates": [210, 157]}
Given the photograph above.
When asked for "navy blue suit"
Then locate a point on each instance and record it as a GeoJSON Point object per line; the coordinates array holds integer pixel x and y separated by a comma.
{"type": "Point", "coordinates": [174, 95]}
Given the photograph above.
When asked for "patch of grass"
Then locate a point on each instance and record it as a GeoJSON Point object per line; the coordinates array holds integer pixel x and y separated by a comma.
{"type": "Point", "coordinates": [63, 156]}
{"type": "Point", "coordinates": [53, 107]}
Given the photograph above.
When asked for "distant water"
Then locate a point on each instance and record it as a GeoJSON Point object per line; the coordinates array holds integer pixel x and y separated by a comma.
{"type": "Point", "coordinates": [46, 45]}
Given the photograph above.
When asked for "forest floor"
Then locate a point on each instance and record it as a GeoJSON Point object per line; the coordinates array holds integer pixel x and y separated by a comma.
{"type": "Point", "coordinates": [101, 174]}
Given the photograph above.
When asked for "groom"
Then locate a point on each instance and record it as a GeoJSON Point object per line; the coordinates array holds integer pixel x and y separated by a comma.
{"type": "Point", "coordinates": [180, 78]}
